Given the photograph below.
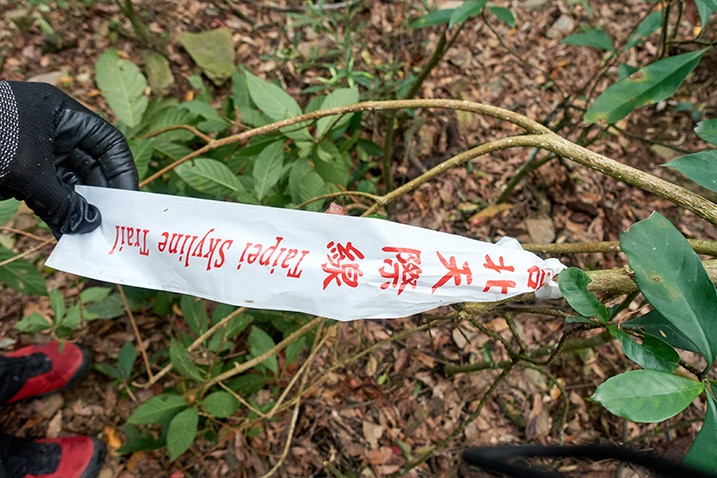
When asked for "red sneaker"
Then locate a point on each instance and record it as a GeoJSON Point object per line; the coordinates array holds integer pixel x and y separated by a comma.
{"type": "Point", "coordinates": [66, 457]}
{"type": "Point", "coordinates": [41, 369]}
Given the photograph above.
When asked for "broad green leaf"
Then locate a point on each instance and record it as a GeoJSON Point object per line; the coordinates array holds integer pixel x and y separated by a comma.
{"type": "Point", "coordinates": [237, 325]}
{"type": "Point", "coordinates": [21, 274]}
{"type": "Point", "coordinates": [259, 342]}
{"type": "Point", "coordinates": [167, 116]}
{"type": "Point", "coordinates": [647, 27]}
{"type": "Point", "coordinates": [142, 150]}
{"type": "Point", "coordinates": [213, 121]}
{"type": "Point", "coordinates": [650, 84]}
{"type": "Point", "coordinates": [8, 208]}
{"type": "Point", "coordinates": [57, 304]}
{"type": "Point", "coordinates": [268, 168]}
{"type": "Point", "coordinates": [210, 177]}
{"type": "Point", "coordinates": [699, 167]}
{"type": "Point", "coordinates": [294, 349]}
{"type": "Point", "coordinates": [33, 323]}
{"type": "Point", "coordinates": [647, 396]}
{"type": "Point", "coordinates": [123, 86]}
{"type": "Point", "coordinates": [139, 439]}
{"type": "Point", "coordinates": [183, 363]}
{"type": "Point", "coordinates": [331, 164]}
{"type": "Point", "coordinates": [242, 100]}
{"type": "Point", "coordinates": [707, 130]}
{"type": "Point", "coordinates": [591, 37]}
{"type": "Point", "coordinates": [503, 14]}
{"type": "Point", "coordinates": [312, 186]}
{"type": "Point", "coordinates": [624, 70]}
{"type": "Point", "coordinates": [468, 9]}
{"type": "Point", "coordinates": [702, 452]}
{"type": "Point", "coordinates": [159, 73]}
{"type": "Point", "coordinates": [194, 313]}
{"type": "Point", "coordinates": [706, 8]}
{"type": "Point", "coordinates": [126, 359]}
{"type": "Point", "coordinates": [158, 409]}
{"type": "Point", "coordinates": [338, 97]}
{"type": "Point", "coordinates": [654, 323]}
{"type": "Point", "coordinates": [297, 173]}
{"type": "Point", "coordinates": [573, 284]}
{"type": "Point", "coordinates": [653, 353]}
{"type": "Point", "coordinates": [439, 17]}
{"type": "Point", "coordinates": [181, 432]}
{"type": "Point", "coordinates": [94, 294]}
{"type": "Point", "coordinates": [213, 51]}
{"type": "Point", "coordinates": [276, 103]}
{"type": "Point", "coordinates": [671, 276]}
{"type": "Point", "coordinates": [220, 404]}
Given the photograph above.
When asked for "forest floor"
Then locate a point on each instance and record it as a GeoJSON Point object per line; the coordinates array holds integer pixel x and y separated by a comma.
{"type": "Point", "coordinates": [393, 404]}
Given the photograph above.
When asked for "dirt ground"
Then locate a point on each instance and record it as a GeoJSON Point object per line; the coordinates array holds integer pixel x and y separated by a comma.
{"type": "Point", "coordinates": [393, 404]}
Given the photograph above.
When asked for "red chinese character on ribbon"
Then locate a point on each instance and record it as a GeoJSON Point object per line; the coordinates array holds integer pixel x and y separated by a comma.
{"type": "Point", "coordinates": [503, 284]}
{"type": "Point", "coordinates": [500, 267]}
{"type": "Point", "coordinates": [403, 270]}
{"type": "Point", "coordinates": [454, 272]}
{"type": "Point", "coordinates": [536, 277]}
{"type": "Point", "coordinates": [338, 269]}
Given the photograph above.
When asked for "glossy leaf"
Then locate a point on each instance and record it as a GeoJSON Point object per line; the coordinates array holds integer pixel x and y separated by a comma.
{"type": "Point", "coordinates": [467, 9]}
{"type": "Point", "coordinates": [653, 353]}
{"type": "Point", "coordinates": [650, 84]}
{"type": "Point", "coordinates": [220, 404]}
{"type": "Point", "coordinates": [647, 27]}
{"type": "Point", "coordinates": [707, 130]}
{"type": "Point", "coordinates": [591, 37]}
{"type": "Point", "coordinates": [183, 363]}
{"type": "Point", "coordinates": [647, 396]}
{"type": "Point", "coordinates": [503, 14]}
{"type": "Point", "coordinates": [158, 409]}
{"type": "Point", "coordinates": [21, 274]}
{"type": "Point", "coordinates": [656, 324]}
{"type": "Point", "coordinates": [439, 17]}
{"type": "Point", "coordinates": [573, 285]}
{"type": "Point", "coordinates": [273, 101]}
{"type": "Point", "coordinates": [702, 452]}
{"type": "Point", "coordinates": [699, 167]}
{"type": "Point", "coordinates": [210, 177]}
{"type": "Point", "coordinates": [671, 276]}
{"type": "Point", "coordinates": [126, 359]}
{"type": "Point", "coordinates": [181, 432]}
{"type": "Point", "coordinates": [123, 87]}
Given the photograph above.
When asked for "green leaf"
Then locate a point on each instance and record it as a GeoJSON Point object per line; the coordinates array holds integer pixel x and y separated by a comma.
{"type": "Point", "coordinates": [242, 100]}
{"type": "Point", "coordinates": [220, 404]}
{"type": "Point", "coordinates": [159, 73]}
{"type": "Point", "coordinates": [439, 17]}
{"type": "Point", "coordinates": [656, 324]}
{"type": "Point", "coordinates": [276, 103]}
{"type": "Point", "coordinates": [33, 323]}
{"type": "Point", "coordinates": [647, 27]}
{"type": "Point", "coordinates": [158, 409]}
{"type": "Point", "coordinates": [181, 432]}
{"type": "Point", "coordinates": [123, 86]}
{"type": "Point", "coordinates": [294, 349]}
{"type": "Point", "coordinates": [213, 51]}
{"type": "Point", "coordinates": [591, 37]}
{"type": "Point", "coordinates": [573, 284]}
{"type": "Point", "coordinates": [707, 130]}
{"type": "Point", "coordinates": [624, 70]}
{"type": "Point", "coordinates": [183, 363]}
{"type": "Point", "coordinates": [699, 167]}
{"type": "Point", "coordinates": [8, 208]}
{"type": "Point", "coordinates": [653, 83]}
{"type": "Point", "coordinates": [653, 353]}
{"type": "Point", "coordinates": [671, 276]}
{"type": "Point", "coordinates": [268, 168]}
{"type": "Point", "coordinates": [213, 121]}
{"type": "Point", "coordinates": [21, 275]}
{"type": "Point", "coordinates": [332, 165]}
{"type": "Point", "coordinates": [338, 97]}
{"type": "Point", "coordinates": [57, 304]}
{"type": "Point", "coordinates": [126, 359]}
{"type": "Point", "coordinates": [706, 8]}
{"type": "Point", "coordinates": [94, 294]}
{"type": "Point", "coordinates": [647, 396]}
{"type": "Point", "coordinates": [702, 452]}
{"type": "Point", "coordinates": [259, 342]}
{"type": "Point", "coordinates": [468, 9]}
{"type": "Point", "coordinates": [194, 313]}
{"type": "Point", "coordinates": [312, 186]}
{"type": "Point", "coordinates": [503, 14]}
{"type": "Point", "coordinates": [210, 177]}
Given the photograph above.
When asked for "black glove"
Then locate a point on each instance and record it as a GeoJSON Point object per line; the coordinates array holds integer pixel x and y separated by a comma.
{"type": "Point", "coordinates": [50, 142]}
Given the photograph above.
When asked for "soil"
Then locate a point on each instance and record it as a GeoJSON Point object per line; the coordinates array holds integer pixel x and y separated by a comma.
{"type": "Point", "coordinates": [377, 413]}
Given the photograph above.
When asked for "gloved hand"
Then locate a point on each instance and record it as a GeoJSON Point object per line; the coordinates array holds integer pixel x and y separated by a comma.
{"type": "Point", "coordinates": [50, 142]}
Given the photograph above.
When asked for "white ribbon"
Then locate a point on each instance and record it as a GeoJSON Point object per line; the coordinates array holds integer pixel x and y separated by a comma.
{"type": "Point", "coordinates": [334, 266]}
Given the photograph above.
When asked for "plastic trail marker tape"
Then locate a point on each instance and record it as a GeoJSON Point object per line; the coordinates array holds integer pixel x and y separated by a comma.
{"type": "Point", "coordinates": [339, 267]}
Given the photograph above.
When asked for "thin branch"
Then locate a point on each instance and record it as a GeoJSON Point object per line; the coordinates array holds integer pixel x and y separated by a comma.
{"type": "Point", "coordinates": [135, 329]}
